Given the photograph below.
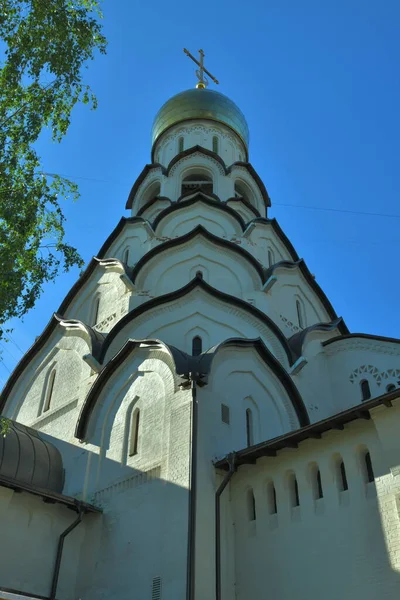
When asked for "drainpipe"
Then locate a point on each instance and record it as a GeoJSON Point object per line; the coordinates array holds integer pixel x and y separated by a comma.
{"type": "Point", "coordinates": [57, 565]}
{"type": "Point", "coordinates": [224, 483]}
{"type": "Point", "coordinates": [190, 581]}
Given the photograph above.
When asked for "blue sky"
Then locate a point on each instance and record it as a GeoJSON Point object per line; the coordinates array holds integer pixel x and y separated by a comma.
{"type": "Point", "coordinates": [319, 85]}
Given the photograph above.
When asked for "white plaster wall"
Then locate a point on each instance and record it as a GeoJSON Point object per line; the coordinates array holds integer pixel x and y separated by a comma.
{"type": "Point", "coordinates": [30, 531]}
{"type": "Point", "coordinates": [240, 380]}
{"type": "Point", "coordinates": [195, 133]}
{"type": "Point", "coordinates": [336, 547]}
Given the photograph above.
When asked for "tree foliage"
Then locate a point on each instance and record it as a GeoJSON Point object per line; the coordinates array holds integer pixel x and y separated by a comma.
{"type": "Point", "coordinates": [46, 44]}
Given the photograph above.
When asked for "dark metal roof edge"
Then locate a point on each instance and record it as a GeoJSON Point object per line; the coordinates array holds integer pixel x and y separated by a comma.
{"type": "Point", "coordinates": [48, 495]}
{"type": "Point", "coordinates": [287, 440]}
{"type": "Point", "coordinates": [368, 336]}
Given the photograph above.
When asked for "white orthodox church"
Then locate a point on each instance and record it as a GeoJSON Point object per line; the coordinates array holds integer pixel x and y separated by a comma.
{"type": "Point", "coordinates": [196, 422]}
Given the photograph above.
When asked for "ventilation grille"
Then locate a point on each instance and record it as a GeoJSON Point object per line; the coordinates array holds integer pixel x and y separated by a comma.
{"type": "Point", "coordinates": [156, 589]}
{"type": "Point", "coordinates": [225, 413]}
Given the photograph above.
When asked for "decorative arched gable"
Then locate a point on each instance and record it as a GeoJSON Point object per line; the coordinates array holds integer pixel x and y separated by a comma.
{"type": "Point", "coordinates": [252, 379]}
{"type": "Point", "coordinates": [105, 280]}
{"type": "Point", "coordinates": [142, 190]}
{"type": "Point", "coordinates": [230, 265]}
{"type": "Point", "coordinates": [99, 397]}
{"type": "Point", "coordinates": [62, 345]}
{"type": "Point", "coordinates": [299, 285]}
{"type": "Point", "coordinates": [213, 214]}
{"type": "Point", "coordinates": [223, 316]}
{"type": "Point", "coordinates": [135, 232]}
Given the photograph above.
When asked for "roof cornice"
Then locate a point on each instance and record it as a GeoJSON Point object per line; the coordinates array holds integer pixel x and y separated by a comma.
{"type": "Point", "coordinates": [269, 448]}
{"type": "Point", "coordinates": [366, 336]}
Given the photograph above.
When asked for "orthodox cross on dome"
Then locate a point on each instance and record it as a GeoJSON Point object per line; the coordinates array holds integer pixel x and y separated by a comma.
{"type": "Point", "coordinates": [203, 82]}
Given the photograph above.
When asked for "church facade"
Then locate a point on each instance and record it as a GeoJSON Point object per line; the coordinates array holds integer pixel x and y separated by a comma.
{"type": "Point", "coordinates": [196, 422]}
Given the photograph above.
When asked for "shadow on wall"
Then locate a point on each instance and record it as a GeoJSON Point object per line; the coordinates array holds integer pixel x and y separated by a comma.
{"type": "Point", "coordinates": [141, 535]}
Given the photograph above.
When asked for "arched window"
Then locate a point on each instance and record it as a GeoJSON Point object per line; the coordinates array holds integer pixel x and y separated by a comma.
{"type": "Point", "coordinates": [49, 391]}
{"type": "Point", "coordinates": [242, 190]}
{"type": "Point", "coordinates": [251, 505]}
{"type": "Point", "coordinates": [270, 258]}
{"type": "Point", "coordinates": [271, 499]}
{"type": "Point", "coordinates": [390, 387]}
{"type": "Point", "coordinates": [300, 317]}
{"type": "Point", "coordinates": [199, 274]}
{"type": "Point", "coordinates": [151, 192]}
{"type": "Point", "coordinates": [215, 144]}
{"type": "Point", "coordinates": [181, 144]}
{"type": "Point", "coordinates": [365, 390]}
{"type": "Point", "coordinates": [95, 310]}
{"type": "Point", "coordinates": [196, 181]}
{"type": "Point", "coordinates": [367, 467]}
{"type": "Point", "coordinates": [126, 256]}
{"type": "Point", "coordinates": [294, 491]}
{"type": "Point", "coordinates": [134, 437]}
{"type": "Point", "coordinates": [249, 428]}
{"type": "Point", "coordinates": [197, 346]}
{"type": "Point", "coordinates": [342, 477]}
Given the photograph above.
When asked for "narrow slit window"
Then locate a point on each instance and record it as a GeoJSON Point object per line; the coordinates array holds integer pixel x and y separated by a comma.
{"type": "Point", "coordinates": [299, 310]}
{"type": "Point", "coordinates": [294, 491]}
{"type": "Point", "coordinates": [343, 477]}
{"type": "Point", "coordinates": [49, 391]}
{"type": "Point", "coordinates": [199, 274]}
{"type": "Point", "coordinates": [215, 144]}
{"type": "Point", "coordinates": [197, 346]}
{"type": "Point", "coordinates": [96, 310]}
{"type": "Point", "coordinates": [251, 505]}
{"type": "Point", "coordinates": [271, 499]}
{"type": "Point", "coordinates": [369, 472]}
{"type": "Point", "coordinates": [270, 258]}
{"type": "Point", "coordinates": [225, 416]}
{"type": "Point", "coordinates": [134, 440]}
{"type": "Point", "coordinates": [249, 428]}
{"type": "Point", "coordinates": [126, 256]}
{"type": "Point", "coordinates": [319, 490]}
{"type": "Point", "coordinates": [365, 390]}
{"type": "Point", "coordinates": [181, 144]}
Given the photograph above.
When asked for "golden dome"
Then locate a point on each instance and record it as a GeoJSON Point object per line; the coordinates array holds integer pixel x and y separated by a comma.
{"type": "Point", "coordinates": [200, 103]}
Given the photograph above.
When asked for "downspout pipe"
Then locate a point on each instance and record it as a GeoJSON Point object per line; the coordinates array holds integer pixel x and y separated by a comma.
{"type": "Point", "coordinates": [218, 493]}
{"type": "Point", "coordinates": [57, 565]}
{"type": "Point", "coordinates": [190, 579]}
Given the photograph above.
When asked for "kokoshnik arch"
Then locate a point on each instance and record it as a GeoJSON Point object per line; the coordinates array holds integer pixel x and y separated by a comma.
{"type": "Point", "coordinates": [198, 403]}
